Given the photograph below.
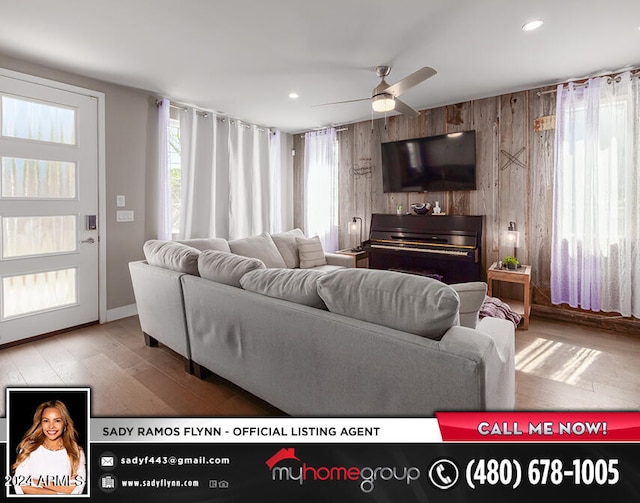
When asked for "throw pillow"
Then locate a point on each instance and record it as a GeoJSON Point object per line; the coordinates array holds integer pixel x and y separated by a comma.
{"type": "Point", "coordinates": [261, 247]}
{"type": "Point", "coordinates": [203, 244]}
{"type": "Point", "coordinates": [171, 255]}
{"type": "Point", "coordinates": [287, 246]}
{"type": "Point", "coordinates": [226, 268]}
{"type": "Point", "coordinates": [414, 304]}
{"type": "Point", "coordinates": [310, 252]}
{"type": "Point", "coordinates": [294, 285]}
{"type": "Point", "coordinates": [472, 296]}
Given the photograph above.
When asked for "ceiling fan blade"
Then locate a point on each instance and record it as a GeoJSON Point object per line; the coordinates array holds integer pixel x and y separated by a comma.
{"type": "Point", "coordinates": [411, 80]}
{"type": "Point", "coordinates": [340, 102]}
{"type": "Point", "coordinates": [405, 109]}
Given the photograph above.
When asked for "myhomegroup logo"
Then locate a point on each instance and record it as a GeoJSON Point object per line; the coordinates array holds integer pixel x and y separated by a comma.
{"type": "Point", "coordinates": [302, 472]}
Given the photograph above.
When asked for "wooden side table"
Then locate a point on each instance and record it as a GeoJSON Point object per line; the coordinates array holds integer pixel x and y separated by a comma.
{"type": "Point", "coordinates": [522, 276]}
{"type": "Point", "coordinates": [360, 258]}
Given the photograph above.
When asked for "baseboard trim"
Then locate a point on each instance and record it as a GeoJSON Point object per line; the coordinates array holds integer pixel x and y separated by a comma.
{"type": "Point", "coordinates": [606, 321]}
{"type": "Point", "coordinates": [121, 312]}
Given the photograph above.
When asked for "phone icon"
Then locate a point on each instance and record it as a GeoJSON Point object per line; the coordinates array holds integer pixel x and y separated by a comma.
{"type": "Point", "coordinates": [443, 477]}
{"type": "Point", "coordinates": [443, 474]}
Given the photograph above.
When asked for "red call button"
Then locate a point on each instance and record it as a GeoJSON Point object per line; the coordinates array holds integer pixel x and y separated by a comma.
{"type": "Point", "coordinates": [539, 426]}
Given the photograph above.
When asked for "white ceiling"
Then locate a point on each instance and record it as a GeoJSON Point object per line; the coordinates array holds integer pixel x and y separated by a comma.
{"type": "Point", "coordinates": [243, 57]}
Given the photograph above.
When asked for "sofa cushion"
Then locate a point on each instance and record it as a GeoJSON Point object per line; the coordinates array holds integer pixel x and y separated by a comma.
{"type": "Point", "coordinates": [261, 247]}
{"type": "Point", "coordinates": [171, 255]}
{"type": "Point", "coordinates": [328, 268]}
{"type": "Point", "coordinates": [294, 285]}
{"type": "Point", "coordinates": [203, 244]}
{"type": "Point", "coordinates": [287, 246]}
{"type": "Point", "coordinates": [310, 252]}
{"type": "Point", "coordinates": [226, 268]}
{"type": "Point", "coordinates": [472, 295]}
{"type": "Point", "coordinates": [414, 304]}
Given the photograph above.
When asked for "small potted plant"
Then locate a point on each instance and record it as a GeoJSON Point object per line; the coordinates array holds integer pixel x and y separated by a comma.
{"type": "Point", "coordinates": [510, 262]}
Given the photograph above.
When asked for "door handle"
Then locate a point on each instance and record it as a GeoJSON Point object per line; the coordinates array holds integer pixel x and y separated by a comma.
{"type": "Point", "coordinates": [90, 241]}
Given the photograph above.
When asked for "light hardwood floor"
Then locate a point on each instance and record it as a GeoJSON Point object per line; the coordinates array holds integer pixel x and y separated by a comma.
{"type": "Point", "coordinates": [563, 366]}
{"type": "Point", "coordinates": [560, 366]}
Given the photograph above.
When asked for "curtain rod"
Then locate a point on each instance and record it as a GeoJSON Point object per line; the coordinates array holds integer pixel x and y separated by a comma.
{"type": "Point", "coordinates": [171, 105]}
{"type": "Point", "coordinates": [338, 130]}
{"type": "Point", "coordinates": [185, 108]}
{"type": "Point", "coordinates": [613, 77]}
{"type": "Point", "coordinates": [205, 113]}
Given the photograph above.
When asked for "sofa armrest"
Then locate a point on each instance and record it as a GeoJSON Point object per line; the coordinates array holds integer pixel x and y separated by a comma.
{"type": "Point", "coordinates": [503, 334]}
{"type": "Point", "coordinates": [339, 259]}
{"type": "Point", "coordinates": [491, 343]}
{"type": "Point", "coordinates": [160, 305]}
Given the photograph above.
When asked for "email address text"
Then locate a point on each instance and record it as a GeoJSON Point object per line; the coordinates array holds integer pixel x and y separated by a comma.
{"type": "Point", "coordinates": [174, 460]}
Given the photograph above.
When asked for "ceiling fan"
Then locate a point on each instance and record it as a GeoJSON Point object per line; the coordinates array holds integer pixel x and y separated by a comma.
{"type": "Point", "coordinates": [384, 97]}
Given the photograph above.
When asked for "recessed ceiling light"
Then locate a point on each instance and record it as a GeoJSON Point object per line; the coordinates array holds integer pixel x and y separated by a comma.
{"type": "Point", "coordinates": [294, 96]}
{"type": "Point", "coordinates": [534, 24]}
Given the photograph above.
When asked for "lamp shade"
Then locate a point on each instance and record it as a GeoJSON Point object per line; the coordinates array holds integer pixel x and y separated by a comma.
{"type": "Point", "coordinates": [355, 227]}
{"type": "Point", "coordinates": [511, 236]}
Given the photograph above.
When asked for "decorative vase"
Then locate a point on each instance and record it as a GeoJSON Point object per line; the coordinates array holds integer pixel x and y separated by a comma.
{"type": "Point", "coordinates": [419, 208]}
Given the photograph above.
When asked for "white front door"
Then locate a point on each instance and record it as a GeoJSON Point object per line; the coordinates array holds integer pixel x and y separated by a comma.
{"type": "Point", "coordinates": [48, 209]}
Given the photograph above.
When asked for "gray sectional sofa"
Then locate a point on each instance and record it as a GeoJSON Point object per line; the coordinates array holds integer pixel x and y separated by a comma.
{"type": "Point", "coordinates": [323, 339]}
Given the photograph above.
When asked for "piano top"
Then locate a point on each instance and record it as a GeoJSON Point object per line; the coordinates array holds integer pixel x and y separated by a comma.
{"type": "Point", "coordinates": [427, 224]}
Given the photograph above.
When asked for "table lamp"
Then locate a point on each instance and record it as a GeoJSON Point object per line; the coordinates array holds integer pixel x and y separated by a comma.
{"type": "Point", "coordinates": [353, 229]}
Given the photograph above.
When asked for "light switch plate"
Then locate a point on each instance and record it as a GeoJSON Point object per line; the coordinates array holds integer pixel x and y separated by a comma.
{"type": "Point", "coordinates": [120, 201]}
{"type": "Point", "coordinates": [124, 216]}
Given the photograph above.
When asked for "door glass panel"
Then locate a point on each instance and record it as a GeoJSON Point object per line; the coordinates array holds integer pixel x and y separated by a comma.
{"type": "Point", "coordinates": [28, 236]}
{"type": "Point", "coordinates": [34, 120]}
{"type": "Point", "coordinates": [35, 179]}
{"type": "Point", "coordinates": [31, 293]}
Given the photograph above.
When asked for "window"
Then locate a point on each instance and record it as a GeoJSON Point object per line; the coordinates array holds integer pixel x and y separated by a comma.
{"type": "Point", "coordinates": [595, 259]}
{"type": "Point", "coordinates": [33, 120]}
{"type": "Point", "coordinates": [321, 187]}
{"type": "Point", "coordinates": [603, 179]}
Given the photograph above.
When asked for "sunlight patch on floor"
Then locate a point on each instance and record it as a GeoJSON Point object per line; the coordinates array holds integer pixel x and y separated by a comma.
{"type": "Point", "coordinates": [570, 362]}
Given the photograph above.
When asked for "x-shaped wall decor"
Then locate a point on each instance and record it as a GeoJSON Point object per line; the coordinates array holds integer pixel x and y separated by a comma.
{"type": "Point", "coordinates": [513, 159]}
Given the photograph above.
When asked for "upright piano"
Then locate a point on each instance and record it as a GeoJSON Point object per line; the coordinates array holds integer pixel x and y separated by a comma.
{"type": "Point", "coordinates": [448, 247]}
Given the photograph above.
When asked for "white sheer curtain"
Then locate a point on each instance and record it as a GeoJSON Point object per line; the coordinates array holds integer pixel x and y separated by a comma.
{"type": "Point", "coordinates": [277, 180]}
{"type": "Point", "coordinates": [280, 147]}
{"type": "Point", "coordinates": [205, 176]}
{"type": "Point", "coordinates": [595, 262]}
{"type": "Point", "coordinates": [164, 182]}
{"type": "Point", "coordinates": [321, 187]}
{"type": "Point", "coordinates": [249, 180]}
{"type": "Point", "coordinates": [227, 178]}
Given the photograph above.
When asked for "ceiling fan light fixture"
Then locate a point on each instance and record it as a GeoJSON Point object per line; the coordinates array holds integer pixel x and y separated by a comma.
{"type": "Point", "coordinates": [383, 103]}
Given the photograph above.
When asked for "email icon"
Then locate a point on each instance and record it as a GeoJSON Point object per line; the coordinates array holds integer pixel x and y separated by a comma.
{"type": "Point", "coordinates": [107, 461]}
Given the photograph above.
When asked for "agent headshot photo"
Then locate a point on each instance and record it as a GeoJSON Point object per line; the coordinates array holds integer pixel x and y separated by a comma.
{"type": "Point", "coordinates": [49, 458]}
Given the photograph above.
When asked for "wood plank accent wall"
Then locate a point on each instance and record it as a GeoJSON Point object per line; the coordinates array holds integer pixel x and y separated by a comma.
{"type": "Point", "coordinates": [514, 173]}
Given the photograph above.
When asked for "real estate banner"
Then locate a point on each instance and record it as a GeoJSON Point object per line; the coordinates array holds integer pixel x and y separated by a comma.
{"type": "Point", "coordinates": [453, 457]}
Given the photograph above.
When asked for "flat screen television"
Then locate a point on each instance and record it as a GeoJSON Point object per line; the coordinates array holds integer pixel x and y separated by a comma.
{"type": "Point", "coordinates": [434, 163]}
